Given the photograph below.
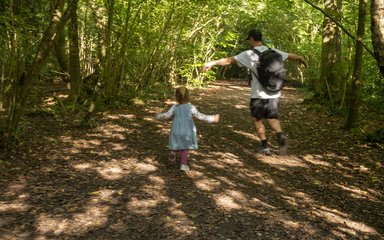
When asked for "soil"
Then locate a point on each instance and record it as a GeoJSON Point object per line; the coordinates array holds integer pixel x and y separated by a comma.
{"type": "Point", "coordinates": [114, 181]}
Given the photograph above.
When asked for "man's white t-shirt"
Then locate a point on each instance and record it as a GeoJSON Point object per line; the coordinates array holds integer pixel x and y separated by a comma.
{"type": "Point", "coordinates": [249, 60]}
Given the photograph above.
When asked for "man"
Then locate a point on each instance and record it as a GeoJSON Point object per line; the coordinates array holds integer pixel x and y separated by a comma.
{"type": "Point", "coordinates": [263, 105]}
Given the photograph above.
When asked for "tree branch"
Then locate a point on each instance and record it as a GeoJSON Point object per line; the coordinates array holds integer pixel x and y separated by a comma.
{"type": "Point", "coordinates": [341, 27]}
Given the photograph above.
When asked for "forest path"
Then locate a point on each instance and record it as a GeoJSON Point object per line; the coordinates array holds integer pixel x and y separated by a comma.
{"type": "Point", "coordinates": [113, 181]}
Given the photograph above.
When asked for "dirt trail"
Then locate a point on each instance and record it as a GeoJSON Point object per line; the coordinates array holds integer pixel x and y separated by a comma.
{"type": "Point", "coordinates": [113, 182]}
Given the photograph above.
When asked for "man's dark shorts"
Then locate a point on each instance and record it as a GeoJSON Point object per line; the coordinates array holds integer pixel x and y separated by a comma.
{"type": "Point", "coordinates": [264, 108]}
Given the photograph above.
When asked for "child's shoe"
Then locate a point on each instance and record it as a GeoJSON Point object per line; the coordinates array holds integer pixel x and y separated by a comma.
{"type": "Point", "coordinates": [184, 167]}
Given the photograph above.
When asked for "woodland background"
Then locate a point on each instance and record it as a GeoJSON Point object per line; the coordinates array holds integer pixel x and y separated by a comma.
{"type": "Point", "coordinates": [82, 157]}
{"type": "Point", "coordinates": [95, 55]}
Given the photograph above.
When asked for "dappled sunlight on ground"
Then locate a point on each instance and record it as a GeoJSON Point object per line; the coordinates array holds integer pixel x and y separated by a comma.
{"type": "Point", "coordinates": [150, 119]}
{"type": "Point", "coordinates": [13, 207]}
{"type": "Point", "coordinates": [206, 184]}
{"type": "Point", "coordinates": [179, 221]}
{"type": "Point", "coordinates": [115, 182]}
{"type": "Point", "coordinates": [143, 206]}
{"type": "Point", "coordinates": [83, 166]}
{"type": "Point", "coordinates": [356, 192]}
{"type": "Point", "coordinates": [343, 221]}
{"type": "Point", "coordinates": [257, 178]}
{"type": "Point", "coordinates": [251, 136]}
{"type": "Point", "coordinates": [111, 129]}
{"type": "Point", "coordinates": [222, 159]}
{"type": "Point", "coordinates": [15, 188]}
{"type": "Point", "coordinates": [121, 116]}
{"type": "Point", "coordinates": [114, 170]}
{"type": "Point", "coordinates": [111, 170]}
{"type": "Point", "coordinates": [83, 144]}
{"type": "Point", "coordinates": [284, 163]}
{"type": "Point", "coordinates": [261, 206]}
{"type": "Point", "coordinates": [95, 215]}
{"type": "Point", "coordinates": [231, 200]}
{"type": "Point", "coordinates": [242, 106]}
{"type": "Point", "coordinates": [316, 160]}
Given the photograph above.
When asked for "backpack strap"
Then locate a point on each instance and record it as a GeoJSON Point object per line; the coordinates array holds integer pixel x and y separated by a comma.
{"type": "Point", "coordinates": [252, 72]}
{"type": "Point", "coordinates": [256, 51]}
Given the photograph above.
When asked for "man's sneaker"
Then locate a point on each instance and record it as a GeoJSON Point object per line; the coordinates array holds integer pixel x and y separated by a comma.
{"type": "Point", "coordinates": [266, 151]}
{"type": "Point", "coordinates": [184, 167]}
{"type": "Point", "coordinates": [283, 145]}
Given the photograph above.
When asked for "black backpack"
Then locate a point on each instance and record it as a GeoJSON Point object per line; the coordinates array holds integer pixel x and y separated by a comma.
{"type": "Point", "coordinates": [271, 72]}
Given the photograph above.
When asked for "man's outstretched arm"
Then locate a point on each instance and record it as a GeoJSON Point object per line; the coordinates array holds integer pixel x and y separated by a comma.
{"type": "Point", "coordinates": [221, 62]}
{"type": "Point", "coordinates": [297, 58]}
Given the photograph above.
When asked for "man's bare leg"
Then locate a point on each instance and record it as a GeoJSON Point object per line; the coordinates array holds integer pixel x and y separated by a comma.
{"type": "Point", "coordinates": [260, 129]}
{"type": "Point", "coordinates": [275, 125]}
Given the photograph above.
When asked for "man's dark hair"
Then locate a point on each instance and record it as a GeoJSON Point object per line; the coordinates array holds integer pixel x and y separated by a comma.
{"type": "Point", "coordinates": [256, 34]}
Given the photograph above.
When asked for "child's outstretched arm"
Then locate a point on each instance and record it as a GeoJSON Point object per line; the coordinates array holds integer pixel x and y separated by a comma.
{"type": "Point", "coordinates": [166, 115]}
{"type": "Point", "coordinates": [207, 118]}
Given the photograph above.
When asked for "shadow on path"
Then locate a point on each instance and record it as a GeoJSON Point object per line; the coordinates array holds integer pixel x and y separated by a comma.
{"type": "Point", "coordinates": [113, 182]}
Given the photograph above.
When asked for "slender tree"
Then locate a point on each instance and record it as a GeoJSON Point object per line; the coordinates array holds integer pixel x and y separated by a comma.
{"type": "Point", "coordinates": [104, 72]}
{"type": "Point", "coordinates": [331, 52]}
{"type": "Point", "coordinates": [108, 72]}
{"type": "Point", "coordinates": [354, 104]}
{"type": "Point", "coordinates": [377, 29]}
{"type": "Point", "coordinates": [60, 44]}
{"type": "Point", "coordinates": [26, 80]}
{"type": "Point", "coordinates": [74, 56]}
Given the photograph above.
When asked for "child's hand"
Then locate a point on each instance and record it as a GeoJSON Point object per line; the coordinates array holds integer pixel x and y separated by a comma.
{"type": "Point", "coordinates": [216, 118]}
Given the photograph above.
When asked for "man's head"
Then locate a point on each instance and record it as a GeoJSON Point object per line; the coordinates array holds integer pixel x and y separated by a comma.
{"type": "Point", "coordinates": [256, 35]}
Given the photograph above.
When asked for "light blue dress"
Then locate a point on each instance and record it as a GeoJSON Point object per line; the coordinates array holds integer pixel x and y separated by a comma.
{"type": "Point", "coordinates": [183, 131]}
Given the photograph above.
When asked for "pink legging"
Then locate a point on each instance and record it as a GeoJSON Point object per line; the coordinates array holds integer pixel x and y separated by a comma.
{"type": "Point", "coordinates": [183, 155]}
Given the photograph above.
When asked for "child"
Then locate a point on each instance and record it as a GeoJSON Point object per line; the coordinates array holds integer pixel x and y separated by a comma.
{"type": "Point", "coordinates": [183, 135]}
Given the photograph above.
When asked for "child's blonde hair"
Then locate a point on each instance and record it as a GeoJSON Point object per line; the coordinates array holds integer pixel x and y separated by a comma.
{"type": "Point", "coordinates": [182, 95]}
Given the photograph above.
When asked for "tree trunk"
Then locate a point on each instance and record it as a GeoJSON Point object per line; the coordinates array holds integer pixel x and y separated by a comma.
{"type": "Point", "coordinates": [99, 15]}
{"type": "Point", "coordinates": [121, 57]}
{"type": "Point", "coordinates": [377, 29]}
{"type": "Point", "coordinates": [353, 114]}
{"type": "Point", "coordinates": [60, 49]}
{"type": "Point", "coordinates": [328, 85]}
{"type": "Point", "coordinates": [2, 88]}
{"type": "Point", "coordinates": [99, 74]}
{"type": "Point", "coordinates": [74, 57]}
{"type": "Point", "coordinates": [109, 78]}
{"type": "Point", "coordinates": [26, 80]}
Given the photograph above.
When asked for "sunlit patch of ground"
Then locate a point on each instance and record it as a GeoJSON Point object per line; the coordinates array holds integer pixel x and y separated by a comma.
{"type": "Point", "coordinates": [114, 182]}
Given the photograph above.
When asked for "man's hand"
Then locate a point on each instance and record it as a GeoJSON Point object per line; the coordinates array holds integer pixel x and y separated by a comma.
{"type": "Point", "coordinates": [207, 66]}
{"type": "Point", "coordinates": [304, 62]}
{"type": "Point", "coordinates": [298, 58]}
{"type": "Point", "coordinates": [221, 62]}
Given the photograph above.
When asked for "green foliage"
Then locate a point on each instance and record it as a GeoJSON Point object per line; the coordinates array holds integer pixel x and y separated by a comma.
{"type": "Point", "coordinates": [40, 111]}
{"type": "Point", "coordinates": [376, 137]}
{"type": "Point", "coordinates": [157, 44]}
{"type": "Point", "coordinates": [158, 92]}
